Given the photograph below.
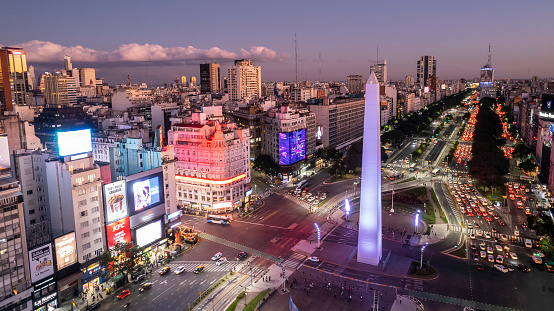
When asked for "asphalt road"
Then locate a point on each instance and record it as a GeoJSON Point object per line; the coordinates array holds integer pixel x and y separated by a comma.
{"type": "Point", "coordinates": [435, 152]}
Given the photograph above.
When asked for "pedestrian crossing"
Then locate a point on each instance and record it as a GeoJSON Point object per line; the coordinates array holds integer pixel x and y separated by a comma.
{"type": "Point", "coordinates": [209, 266]}
{"type": "Point", "coordinates": [297, 200]}
{"type": "Point", "coordinates": [294, 261]}
{"type": "Point", "coordinates": [493, 234]}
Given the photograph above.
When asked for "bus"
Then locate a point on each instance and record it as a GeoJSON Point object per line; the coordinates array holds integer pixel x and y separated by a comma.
{"type": "Point", "coordinates": [436, 171]}
{"type": "Point", "coordinates": [412, 167]}
{"type": "Point", "coordinates": [302, 184]}
{"type": "Point", "coordinates": [526, 178]}
{"type": "Point", "coordinates": [216, 219]}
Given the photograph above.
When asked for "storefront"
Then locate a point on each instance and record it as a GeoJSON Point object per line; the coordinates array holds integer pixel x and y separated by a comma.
{"type": "Point", "coordinates": [94, 275]}
{"type": "Point", "coordinates": [45, 296]}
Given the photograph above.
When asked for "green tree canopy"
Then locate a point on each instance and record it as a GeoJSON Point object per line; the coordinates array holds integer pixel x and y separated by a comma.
{"type": "Point", "coordinates": [265, 164]}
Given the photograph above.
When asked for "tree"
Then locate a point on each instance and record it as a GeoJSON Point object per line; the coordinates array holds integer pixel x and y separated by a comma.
{"type": "Point", "coordinates": [527, 166]}
{"type": "Point", "coordinates": [122, 258]}
{"type": "Point", "coordinates": [329, 154]}
{"type": "Point", "coordinates": [265, 164]}
{"type": "Point", "coordinates": [521, 151]}
{"type": "Point", "coordinates": [542, 224]}
{"type": "Point", "coordinates": [353, 158]}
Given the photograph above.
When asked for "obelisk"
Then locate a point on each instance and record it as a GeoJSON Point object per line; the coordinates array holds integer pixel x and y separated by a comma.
{"type": "Point", "coordinates": [370, 247]}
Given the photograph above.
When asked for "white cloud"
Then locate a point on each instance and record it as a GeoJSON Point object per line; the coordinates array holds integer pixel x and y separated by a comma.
{"type": "Point", "coordinates": [45, 51]}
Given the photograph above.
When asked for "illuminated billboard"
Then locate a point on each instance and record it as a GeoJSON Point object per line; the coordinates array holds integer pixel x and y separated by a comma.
{"type": "Point", "coordinates": [115, 201]}
{"type": "Point", "coordinates": [66, 251]}
{"type": "Point", "coordinates": [4, 152]}
{"type": "Point", "coordinates": [292, 147]}
{"type": "Point", "coordinates": [119, 231]}
{"type": "Point", "coordinates": [145, 193]}
{"type": "Point", "coordinates": [547, 107]}
{"type": "Point", "coordinates": [486, 77]}
{"type": "Point", "coordinates": [74, 142]}
{"type": "Point", "coordinates": [149, 234]}
{"type": "Point", "coordinates": [41, 263]}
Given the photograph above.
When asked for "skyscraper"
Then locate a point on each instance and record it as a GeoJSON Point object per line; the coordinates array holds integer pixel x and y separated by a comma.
{"type": "Point", "coordinates": [487, 78]}
{"type": "Point", "coordinates": [88, 76]}
{"type": "Point", "coordinates": [55, 89]}
{"type": "Point", "coordinates": [210, 81]}
{"type": "Point", "coordinates": [183, 80]}
{"type": "Point", "coordinates": [193, 81]}
{"type": "Point", "coordinates": [67, 63]}
{"type": "Point", "coordinates": [13, 78]}
{"type": "Point", "coordinates": [355, 84]}
{"type": "Point", "coordinates": [380, 71]}
{"type": "Point", "coordinates": [244, 80]}
{"type": "Point", "coordinates": [409, 81]}
{"type": "Point", "coordinates": [426, 66]}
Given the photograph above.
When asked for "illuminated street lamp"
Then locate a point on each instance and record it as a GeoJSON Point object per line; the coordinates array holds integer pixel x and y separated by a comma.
{"type": "Point", "coordinates": [417, 221]}
{"type": "Point", "coordinates": [347, 209]}
{"type": "Point", "coordinates": [318, 236]}
{"type": "Point", "coordinates": [421, 259]}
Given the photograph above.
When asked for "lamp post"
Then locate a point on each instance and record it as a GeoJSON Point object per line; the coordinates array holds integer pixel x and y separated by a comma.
{"type": "Point", "coordinates": [417, 221]}
{"type": "Point", "coordinates": [421, 259]}
{"type": "Point", "coordinates": [318, 236]}
{"type": "Point", "coordinates": [392, 200]}
{"type": "Point", "coordinates": [347, 209]}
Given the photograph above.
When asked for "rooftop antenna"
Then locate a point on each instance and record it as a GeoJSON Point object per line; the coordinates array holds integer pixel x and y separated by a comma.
{"type": "Point", "coordinates": [489, 61]}
{"type": "Point", "coordinates": [377, 54]}
{"type": "Point", "coordinates": [319, 66]}
{"type": "Point", "coordinates": [296, 56]}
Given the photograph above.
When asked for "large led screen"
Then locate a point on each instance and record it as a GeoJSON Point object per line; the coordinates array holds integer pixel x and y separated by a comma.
{"type": "Point", "coordinates": [74, 142]}
{"type": "Point", "coordinates": [41, 263]}
{"type": "Point", "coordinates": [292, 147]}
{"type": "Point", "coordinates": [119, 231]}
{"type": "Point", "coordinates": [66, 251]}
{"type": "Point", "coordinates": [116, 203]}
{"type": "Point", "coordinates": [145, 192]}
{"type": "Point", "coordinates": [149, 233]}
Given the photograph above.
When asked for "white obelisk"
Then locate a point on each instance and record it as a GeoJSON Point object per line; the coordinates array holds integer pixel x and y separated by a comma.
{"type": "Point", "coordinates": [370, 247]}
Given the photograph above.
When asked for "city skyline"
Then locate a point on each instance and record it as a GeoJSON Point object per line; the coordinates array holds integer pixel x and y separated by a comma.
{"type": "Point", "coordinates": [159, 43]}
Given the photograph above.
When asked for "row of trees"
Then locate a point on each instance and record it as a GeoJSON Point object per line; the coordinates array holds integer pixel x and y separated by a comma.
{"type": "Point", "coordinates": [123, 259]}
{"type": "Point", "coordinates": [488, 164]}
{"type": "Point", "coordinates": [418, 121]}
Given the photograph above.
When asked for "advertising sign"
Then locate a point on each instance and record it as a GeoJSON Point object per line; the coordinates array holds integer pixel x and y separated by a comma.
{"type": "Point", "coordinates": [4, 152]}
{"type": "Point", "coordinates": [66, 251]}
{"type": "Point", "coordinates": [145, 193]}
{"type": "Point", "coordinates": [547, 107]}
{"type": "Point", "coordinates": [149, 233]}
{"type": "Point", "coordinates": [147, 216]}
{"type": "Point", "coordinates": [41, 262]}
{"type": "Point", "coordinates": [114, 198]}
{"type": "Point", "coordinates": [292, 147]}
{"type": "Point", "coordinates": [119, 231]}
{"type": "Point", "coordinates": [74, 142]}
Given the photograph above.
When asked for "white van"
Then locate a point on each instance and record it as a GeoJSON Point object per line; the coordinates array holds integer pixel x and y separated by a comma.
{"type": "Point", "coordinates": [528, 243]}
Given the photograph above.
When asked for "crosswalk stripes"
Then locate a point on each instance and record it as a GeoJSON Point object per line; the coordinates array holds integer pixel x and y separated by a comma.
{"type": "Point", "coordinates": [294, 260]}
{"type": "Point", "coordinates": [208, 266]}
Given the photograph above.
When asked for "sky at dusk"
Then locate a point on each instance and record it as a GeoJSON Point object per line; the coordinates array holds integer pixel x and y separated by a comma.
{"type": "Point", "coordinates": [161, 40]}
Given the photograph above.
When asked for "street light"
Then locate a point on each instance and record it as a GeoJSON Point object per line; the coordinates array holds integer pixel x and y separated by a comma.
{"type": "Point", "coordinates": [421, 259]}
{"type": "Point", "coordinates": [347, 209]}
{"type": "Point", "coordinates": [417, 221]}
{"type": "Point", "coordinates": [318, 236]}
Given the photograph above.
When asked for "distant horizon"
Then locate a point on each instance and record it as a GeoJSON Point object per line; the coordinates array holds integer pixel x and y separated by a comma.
{"type": "Point", "coordinates": [160, 41]}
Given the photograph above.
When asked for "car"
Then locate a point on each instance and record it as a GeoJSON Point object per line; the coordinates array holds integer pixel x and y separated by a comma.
{"type": "Point", "coordinates": [199, 269]}
{"type": "Point", "coordinates": [524, 268]}
{"type": "Point", "coordinates": [501, 268]}
{"type": "Point", "coordinates": [475, 256]}
{"type": "Point", "coordinates": [487, 235]}
{"type": "Point", "coordinates": [479, 233]}
{"type": "Point", "coordinates": [540, 253]}
{"type": "Point", "coordinates": [511, 267]}
{"type": "Point", "coordinates": [217, 256]}
{"type": "Point", "coordinates": [221, 261]}
{"type": "Point", "coordinates": [491, 258]}
{"type": "Point", "coordinates": [506, 247]}
{"type": "Point", "coordinates": [488, 219]}
{"type": "Point", "coordinates": [93, 306]}
{"type": "Point", "coordinates": [489, 250]}
{"type": "Point", "coordinates": [549, 267]}
{"type": "Point", "coordinates": [180, 270]}
{"type": "Point", "coordinates": [476, 225]}
{"type": "Point", "coordinates": [528, 243]}
{"type": "Point", "coordinates": [473, 247]}
{"type": "Point", "coordinates": [241, 255]}
{"type": "Point", "coordinates": [504, 236]}
{"type": "Point", "coordinates": [501, 223]}
{"type": "Point", "coordinates": [499, 259]}
{"type": "Point", "coordinates": [469, 226]}
{"type": "Point", "coordinates": [124, 294]}
{"type": "Point", "coordinates": [472, 236]}
{"type": "Point", "coordinates": [493, 229]}
{"type": "Point", "coordinates": [537, 259]}
{"type": "Point", "coordinates": [483, 254]}
{"type": "Point", "coordinates": [316, 202]}
{"type": "Point", "coordinates": [498, 247]}
{"type": "Point", "coordinates": [479, 267]}
{"type": "Point", "coordinates": [524, 225]}
{"type": "Point", "coordinates": [138, 279]}
{"type": "Point", "coordinates": [495, 216]}
{"type": "Point", "coordinates": [482, 246]}
{"type": "Point", "coordinates": [313, 258]}
{"type": "Point", "coordinates": [323, 197]}
{"type": "Point", "coordinates": [165, 270]}
{"type": "Point", "coordinates": [145, 286]}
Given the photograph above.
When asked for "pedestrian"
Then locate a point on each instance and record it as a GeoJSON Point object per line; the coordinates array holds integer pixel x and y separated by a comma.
{"type": "Point", "coordinates": [270, 278]}
{"type": "Point", "coordinates": [350, 298]}
{"type": "Point", "coordinates": [361, 298]}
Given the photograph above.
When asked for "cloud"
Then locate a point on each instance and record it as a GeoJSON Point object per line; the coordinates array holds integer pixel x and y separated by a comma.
{"type": "Point", "coordinates": [48, 52]}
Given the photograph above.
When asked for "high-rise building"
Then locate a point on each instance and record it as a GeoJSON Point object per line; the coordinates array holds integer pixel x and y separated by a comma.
{"type": "Point", "coordinates": [251, 117]}
{"type": "Point", "coordinates": [55, 89]}
{"type": "Point", "coordinates": [355, 84]}
{"type": "Point", "coordinates": [87, 76]}
{"type": "Point", "coordinates": [53, 120]}
{"type": "Point", "coordinates": [409, 81]}
{"type": "Point", "coordinates": [212, 173]}
{"type": "Point", "coordinates": [31, 80]}
{"type": "Point", "coordinates": [210, 81]}
{"type": "Point", "coordinates": [183, 80]}
{"type": "Point", "coordinates": [426, 66]}
{"type": "Point", "coordinates": [380, 71]}
{"type": "Point", "coordinates": [193, 81]}
{"type": "Point", "coordinates": [67, 63]}
{"type": "Point", "coordinates": [13, 79]}
{"type": "Point", "coordinates": [244, 80]}
{"type": "Point", "coordinates": [486, 82]}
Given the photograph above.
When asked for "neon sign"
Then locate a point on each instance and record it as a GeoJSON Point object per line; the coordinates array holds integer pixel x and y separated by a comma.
{"type": "Point", "coordinates": [210, 181]}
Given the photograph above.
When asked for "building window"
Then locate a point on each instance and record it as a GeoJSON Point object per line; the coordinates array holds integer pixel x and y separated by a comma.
{"type": "Point", "coordinates": [84, 224]}
{"type": "Point", "coordinates": [32, 211]}
{"type": "Point", "coordinates": [94, 199]}
{"type": "Point", "coordinates": [96, 220]}
{"type": "Point", "coordinates": [85, 235]}
{"type": "Point", "coordinates": [86, 246]}
{"type": "Point", "coordinates": [84, 213]}
{"type": "Point", "coordinates": [94, 209]}
{"type": "Point", "coordinates": [96, 230]}
{"type": "Point", "coordinates": [97, 241]}
{"type": "Point", "coordinates": [81, 191]}
{"type": "Point", "coordinates": [93, 189]}
{"type": "Point", "coordinates": [82, 203]}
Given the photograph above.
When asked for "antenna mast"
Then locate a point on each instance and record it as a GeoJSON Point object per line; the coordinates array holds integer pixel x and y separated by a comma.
{"type": "Point", "coordinates": [377, 63]}
{"type": "Point", "coordinates": [489, 61]}
{"type": "Point", "coordinates": [296, 56]}
{"type": "Point", "coordinates": [319, 66]}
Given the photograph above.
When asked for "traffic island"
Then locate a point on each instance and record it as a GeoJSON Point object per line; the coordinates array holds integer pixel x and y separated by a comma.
{"type": "Point", "coordinates": [460, 252]}
{"type": "Point", "coordinates": [426, 271]}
